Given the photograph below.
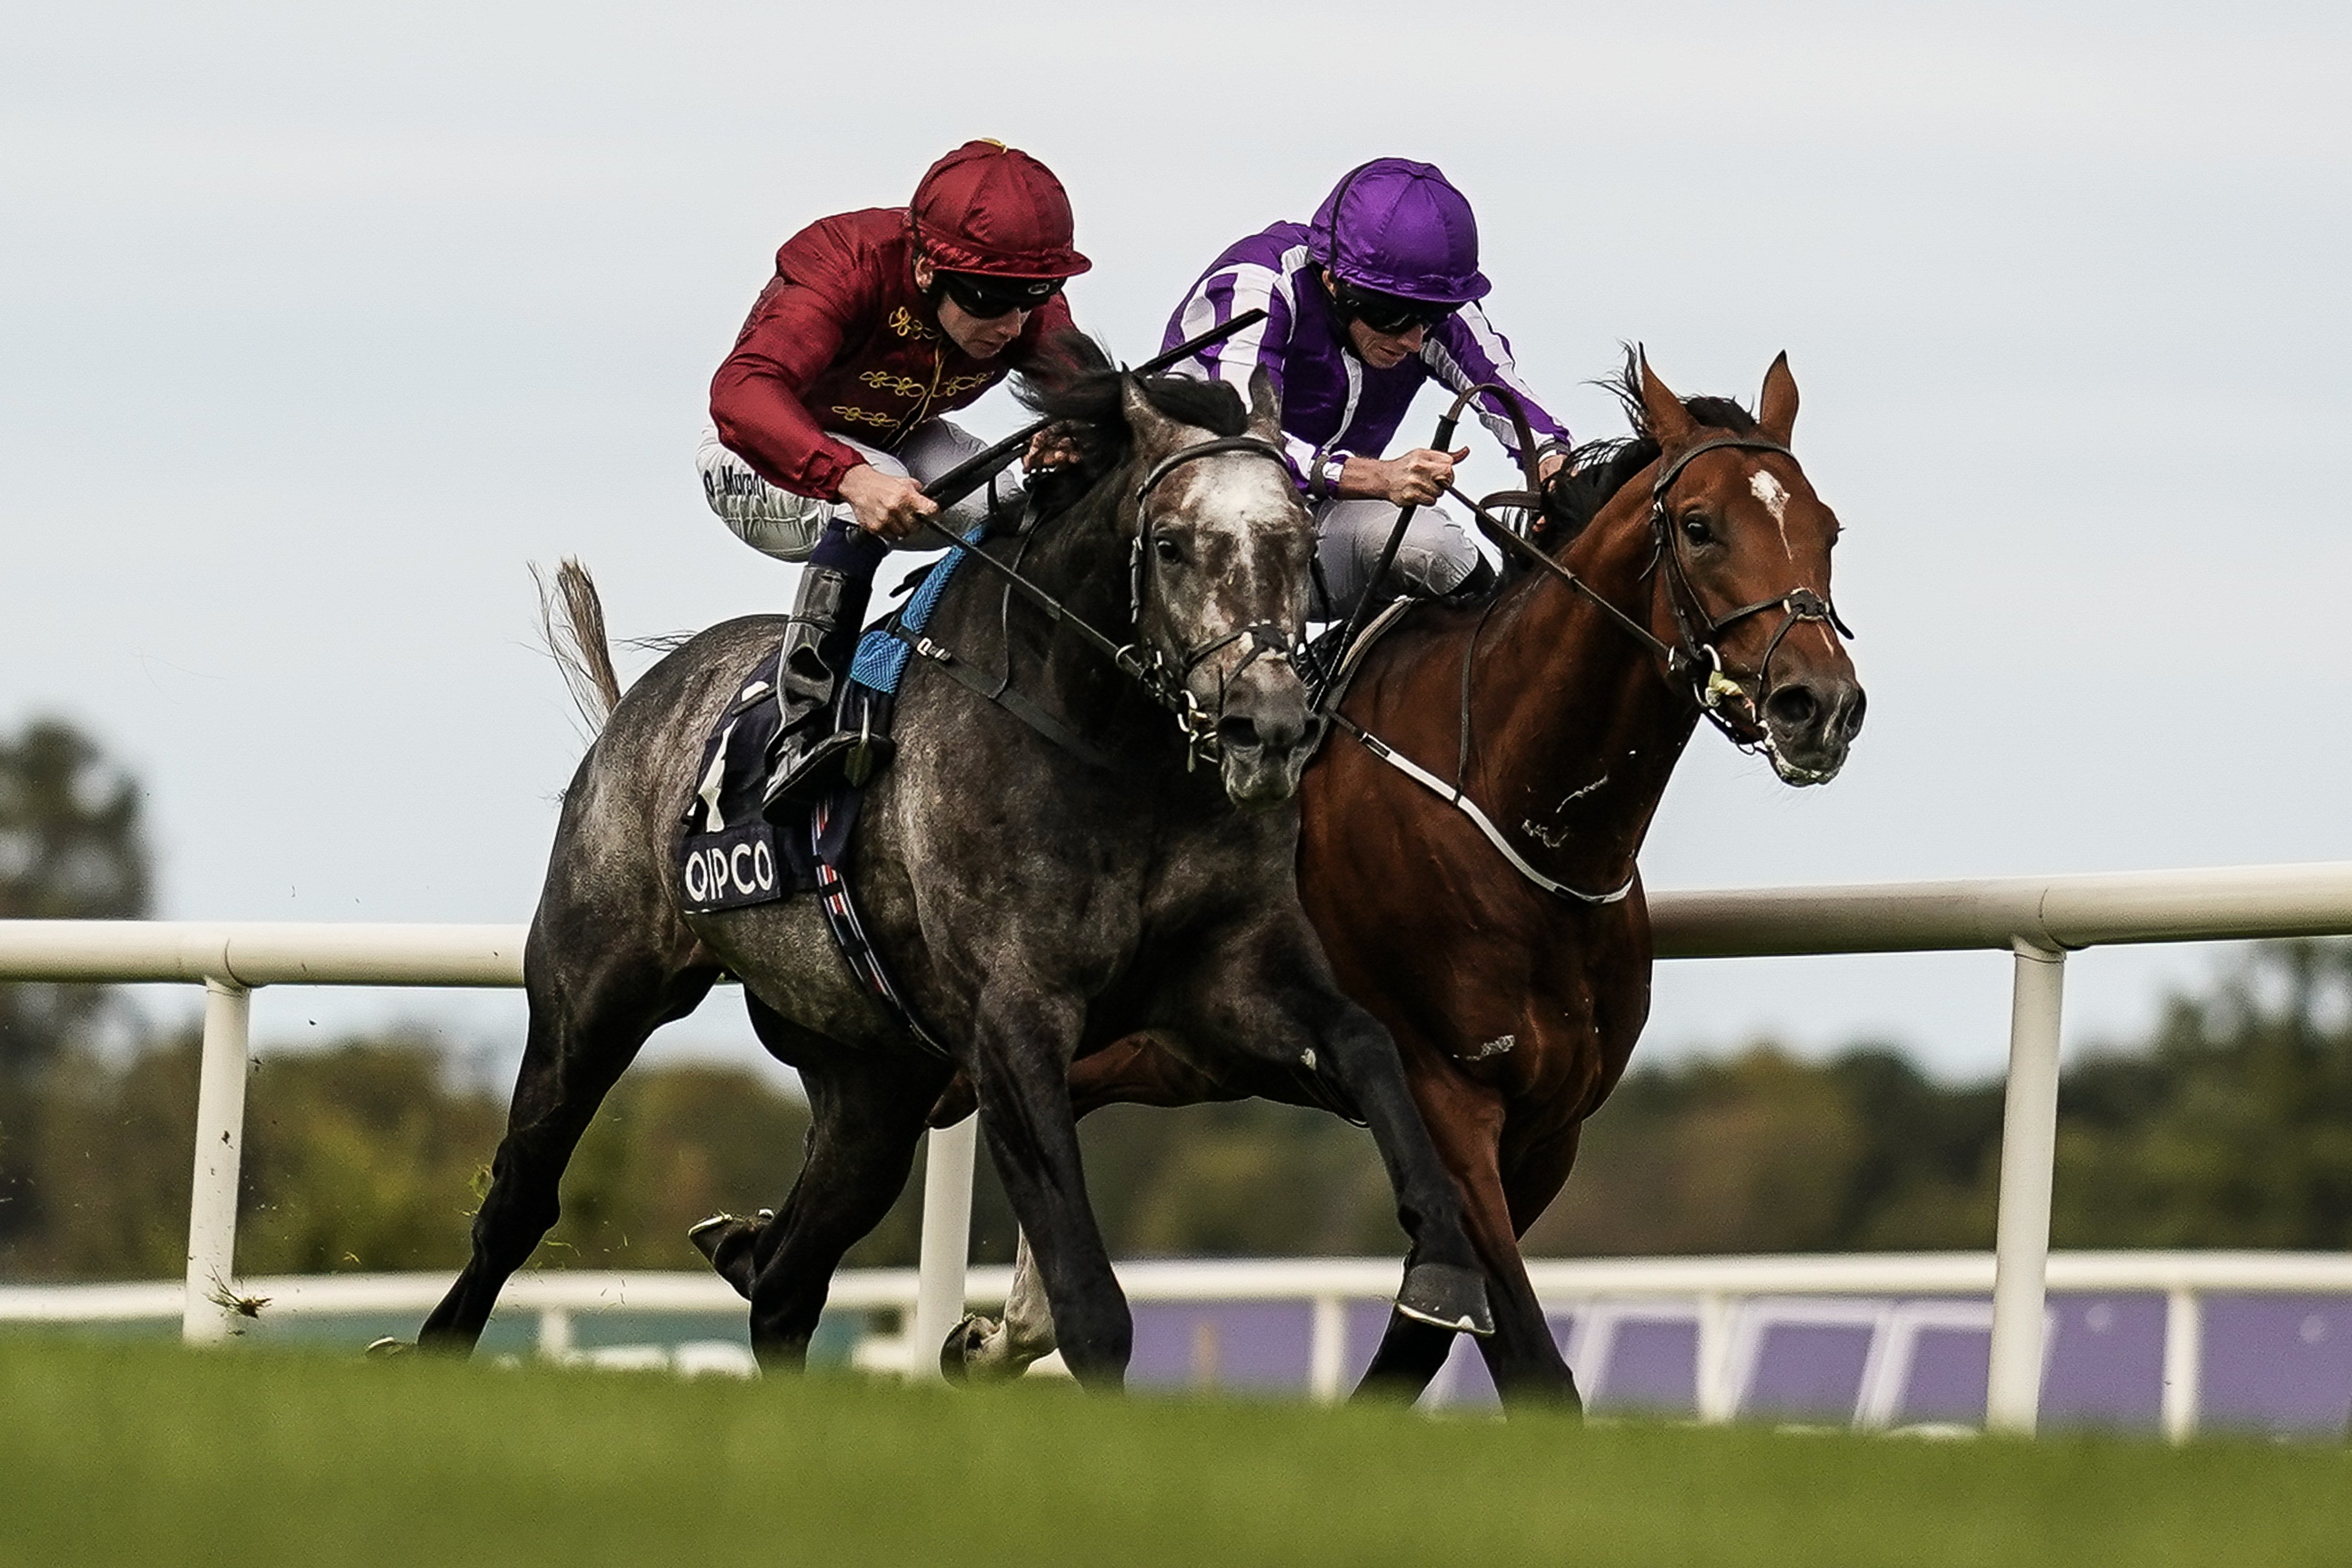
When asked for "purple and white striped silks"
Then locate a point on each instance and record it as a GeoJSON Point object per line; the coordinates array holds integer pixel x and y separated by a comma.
{"type": "Point", "coordinates": [1332, 402]}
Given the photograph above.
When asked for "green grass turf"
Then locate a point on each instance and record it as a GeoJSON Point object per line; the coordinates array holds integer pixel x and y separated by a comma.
{"type": "Point", "coordinates": [140, 1454]}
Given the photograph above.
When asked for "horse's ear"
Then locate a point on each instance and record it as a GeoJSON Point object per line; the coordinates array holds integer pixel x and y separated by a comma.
{"type": "Point", "coordinates": [1264, 406]}
{"type": "Point", "coordinates": [1152, 427]}
{"type": "Point", "coordinates": [1669, 421]}
{"type": "Point", "coordinates": [1779, 417]}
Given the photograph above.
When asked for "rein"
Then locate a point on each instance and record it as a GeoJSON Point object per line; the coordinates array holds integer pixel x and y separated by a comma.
{"type": "Point", "coordinates": [1263, 637]}
{"type": "Point", "coordinates": [1159, 679]}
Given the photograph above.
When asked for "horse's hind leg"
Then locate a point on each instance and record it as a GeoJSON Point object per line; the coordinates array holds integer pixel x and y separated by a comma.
{"type": "Point", "coordinates": [587, 1022]}
{"type": "Point", "coordinates": [869, 1113]}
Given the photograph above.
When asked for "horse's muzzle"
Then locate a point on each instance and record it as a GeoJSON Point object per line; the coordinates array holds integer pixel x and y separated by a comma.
{"type": "Point", "coordinates": [1265, 735]}
{"type": "Point", "coordinates": [1812, 720]}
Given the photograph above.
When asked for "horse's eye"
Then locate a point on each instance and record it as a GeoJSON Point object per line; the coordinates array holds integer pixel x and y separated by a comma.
{"type": "Point", "coordinates": [1168, 550]}
{"type": "Point", "coordinates": [1696, 529]}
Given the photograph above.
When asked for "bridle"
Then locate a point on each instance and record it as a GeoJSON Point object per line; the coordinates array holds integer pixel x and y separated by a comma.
{"type": "Point", "coordinates": [1264, 638]}
{"type": "Point", "coordinates": [1162, 680]}
{"type": "Point", "coordinates": [1696, 655]}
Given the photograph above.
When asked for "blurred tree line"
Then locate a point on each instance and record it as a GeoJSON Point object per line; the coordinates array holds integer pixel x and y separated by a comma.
{"type": "Point", "coordinates": [2231, 1126]}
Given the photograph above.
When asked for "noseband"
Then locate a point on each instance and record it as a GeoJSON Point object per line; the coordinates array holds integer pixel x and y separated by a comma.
{"type": "Point", "coordinates": [1264, 638]}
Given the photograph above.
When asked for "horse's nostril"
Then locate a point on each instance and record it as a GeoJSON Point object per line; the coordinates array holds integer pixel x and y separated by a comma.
{"type": "Point", "coordinates": [1792, 707]}
{"type": "Point", "coordinates": [1238, 733]}
{"type": "Point", "coordinates": [1854, 714]}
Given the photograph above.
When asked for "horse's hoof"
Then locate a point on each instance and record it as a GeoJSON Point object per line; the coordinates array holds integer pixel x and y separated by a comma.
{"type": "Point", "coordinates": [963, 1343]}
{"type": "Point", "coordinates": [708, 1233]}
{"type": "Point", "coordinates": [727, 1240]}
{"type": "Point", "coordinates": [1447, 1297]}
{"type": "Point", "coordinates": [387, 1347]}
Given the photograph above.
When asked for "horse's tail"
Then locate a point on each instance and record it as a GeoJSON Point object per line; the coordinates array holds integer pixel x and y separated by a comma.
{"type": "Point", "coordinates": [571, 623]}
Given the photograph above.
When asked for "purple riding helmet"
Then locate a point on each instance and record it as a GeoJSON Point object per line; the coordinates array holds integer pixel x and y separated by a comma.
{"type": "Point", "coordinates": [1399, 228]}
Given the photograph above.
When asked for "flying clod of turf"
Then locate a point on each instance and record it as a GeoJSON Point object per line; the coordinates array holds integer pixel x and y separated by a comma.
{"type": "Point", "coordinates": [119, 1453]}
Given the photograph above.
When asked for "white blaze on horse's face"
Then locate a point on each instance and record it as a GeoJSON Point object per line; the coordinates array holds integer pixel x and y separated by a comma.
{"type": "Point", "coordinates": [1807, 701]}
{"type": "Point", "coordinates": [1767, 489]}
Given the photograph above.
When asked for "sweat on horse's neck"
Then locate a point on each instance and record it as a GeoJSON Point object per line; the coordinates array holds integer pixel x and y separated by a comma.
{"type": "Point", "coordinates": [1575, 729]}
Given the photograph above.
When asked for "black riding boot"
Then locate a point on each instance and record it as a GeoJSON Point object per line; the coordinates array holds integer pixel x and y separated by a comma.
{"type": "Point", "coordinates": [820, 639]}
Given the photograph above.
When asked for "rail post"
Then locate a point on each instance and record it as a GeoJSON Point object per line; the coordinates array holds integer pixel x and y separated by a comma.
{"type": "Point", "coordinates": [1717, 1391]}
{"type": "Point", "coordinates": [1326, 1350]}
{"type": "Point", "coordinates": [947, 1243]}
{"type": "Point", "coordinates": [2029, 1152]}
{"type": "Point", "coordinates": [2184, 1362]}
{"type": "Point", "coordinates": [220, 1139]}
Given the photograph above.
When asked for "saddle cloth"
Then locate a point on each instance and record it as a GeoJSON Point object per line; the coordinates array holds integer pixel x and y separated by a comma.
{"type": "Point", "coordinates": [729, 856]}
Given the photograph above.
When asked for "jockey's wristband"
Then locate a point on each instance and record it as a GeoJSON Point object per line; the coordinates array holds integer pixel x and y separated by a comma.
{"type": "Point", "coordinates": [1325, 480]}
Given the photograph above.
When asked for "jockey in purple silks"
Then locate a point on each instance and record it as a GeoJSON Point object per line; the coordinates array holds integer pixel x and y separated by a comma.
{"type": "Point", "coordinates": [1375, 296]}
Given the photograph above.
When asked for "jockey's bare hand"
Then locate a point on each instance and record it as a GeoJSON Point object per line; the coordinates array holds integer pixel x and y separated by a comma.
{"type": "Point", "coordinates": [1419, 477]}
{"type": "Point", "coordinates": [885, 504]}
{"type": "Point", "coordinates": [1050, 448]}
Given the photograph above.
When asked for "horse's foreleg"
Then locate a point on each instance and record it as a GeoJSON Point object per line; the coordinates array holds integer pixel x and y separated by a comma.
{"type": "Point", "coordinates": [1269, 993]}
{"type": "Point", "coordinates": [868, 1118]}
{"type": "Point", "coordinates": [585, 1032]}
{"type": "Point", "coordinates": [1022, 1037]}
{"type": "Point", "coordinates": [1132, 1071]}
{"type": "Point", "coordinates": [1524, 1357]}
{"type": "Point", "coordinates": [1409, 1355]}
{"type": "Point", "coordinates": [1466, 1123]}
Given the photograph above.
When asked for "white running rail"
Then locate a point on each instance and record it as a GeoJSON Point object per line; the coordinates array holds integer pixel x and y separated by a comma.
{"type": "Point", "coordinates": [2040, 920]}
{"type": "Point", "coordinates": [1732, 1302]}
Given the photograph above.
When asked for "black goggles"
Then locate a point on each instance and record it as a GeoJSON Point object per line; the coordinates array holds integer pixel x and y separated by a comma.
{"type": "Point", "coordinates": [986, 298]}
{"type": "Point", "coordinates": [1388, 313]}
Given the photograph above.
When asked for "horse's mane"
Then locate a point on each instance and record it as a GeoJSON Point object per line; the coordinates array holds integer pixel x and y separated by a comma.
{"type": "Point", "coordinates": [1084, 393]}
{"type": "Point", "coordinates": [1602, 469]}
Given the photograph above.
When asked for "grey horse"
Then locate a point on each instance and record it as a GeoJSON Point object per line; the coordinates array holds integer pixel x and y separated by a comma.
{"type": "Point", "coordinates": [1036, 900]}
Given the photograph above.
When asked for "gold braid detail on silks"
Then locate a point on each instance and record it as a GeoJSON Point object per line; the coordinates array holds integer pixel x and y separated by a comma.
{"type": "Point", "coordinates": [865, 416]}
{"type": "Point", "coordinates": [956, 384]}
{"type": "Point", "coordinates": [903, 323]}
{"type": "Point", "coordinates": [897, 386]}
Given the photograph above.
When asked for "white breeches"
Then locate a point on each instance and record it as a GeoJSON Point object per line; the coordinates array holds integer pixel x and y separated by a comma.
{"type": "Point", "coordinates": [787, 526]}
{"type": "Point", "coordinates": [1437, 555]}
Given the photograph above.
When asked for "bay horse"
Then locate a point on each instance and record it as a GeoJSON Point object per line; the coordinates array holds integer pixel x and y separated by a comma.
{"type": "Point", "coordinates": [1036, 899]}
{"type": "Point", "coordinates": [1510, 956]}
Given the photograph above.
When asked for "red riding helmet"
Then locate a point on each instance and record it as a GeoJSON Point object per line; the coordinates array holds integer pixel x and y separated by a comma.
{"type": "Point", "coordinates": [995, 210]}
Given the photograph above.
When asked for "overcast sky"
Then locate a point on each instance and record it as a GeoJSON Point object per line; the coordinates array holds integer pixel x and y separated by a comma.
{"type": "Point", "coordinates": [317, 326]}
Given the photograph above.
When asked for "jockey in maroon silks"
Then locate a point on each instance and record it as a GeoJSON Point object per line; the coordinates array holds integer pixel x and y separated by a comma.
{"type": "Point", "coordinates": [1378, 295]}
{"type": "Point", "coordinates": [826, 418]}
